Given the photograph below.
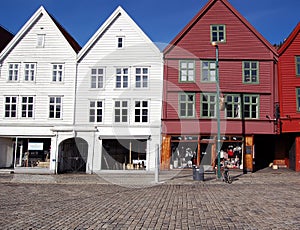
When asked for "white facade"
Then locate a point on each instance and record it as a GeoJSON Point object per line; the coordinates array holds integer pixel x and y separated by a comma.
{"type": "Point", "coordinates": [37, 77]}
{"type": "Point", "coordinates": [119, 95]}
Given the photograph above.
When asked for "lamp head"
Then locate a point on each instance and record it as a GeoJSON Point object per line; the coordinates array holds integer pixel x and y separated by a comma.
{"type": "Point", "coordinates": [214, 44]}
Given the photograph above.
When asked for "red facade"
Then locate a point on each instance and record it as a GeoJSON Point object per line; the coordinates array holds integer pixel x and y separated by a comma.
{"type": "Point", "coordinates": [242, 43]}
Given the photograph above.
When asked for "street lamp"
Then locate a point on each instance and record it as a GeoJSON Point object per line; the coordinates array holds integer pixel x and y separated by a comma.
{"type": "Point", "coordinates": [215, 44]}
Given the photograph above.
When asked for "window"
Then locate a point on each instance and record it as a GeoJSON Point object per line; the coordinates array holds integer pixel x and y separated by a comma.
{"type": "Point", "coordinates": [298, 99]}
{"type": "Point", "coordinates": [122, 78]}
{"type": "Point", "coordinates": [208, 71]}
{"type": "Point", "coordinates": [120, 42]}
{"type": "Point", "coordinates": [13, 71]}
{"type": "Point", "coordinates": [251, 106]}
{"type": "Point", "coordinates": [208, 105]}
{"type": "Point", "coordinates": [11, 106]}
{"type": "Point", "coordinates": [40, 41]}
{"type": "Point", "coordinates": [233, 106]}
{"type": "Point", "coordinates": [29, 72]}
{"type": "Point", "coordinates": [55, 107]}
{"type": "Point", "coordinates": [298, 65]}
{"type": "Point", "coordinates": [121, 111]}
{"type": "Point", "coordinates": [141, 77]}
{"type": "Point", "coordinates": [141, 111]}
{"type": "Point", "coordinates": [187, 105]}
{"type": "Point", "coordinates": [57, 72]}
{"type": "Point", "coordinates": [250, 72]}
{"type": "Point", "coordinates": [218, 33]}
{"type": "Point", "coordinates": [96, 111]}
{"type": "Point", "coordinates": [97, 78]}
{"type": "Point", "coordinates": [187, 71]}
{"type": "Point", "coordinates": [27, 107]}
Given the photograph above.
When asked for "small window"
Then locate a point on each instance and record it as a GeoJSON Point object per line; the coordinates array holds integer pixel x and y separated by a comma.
{"type": "Point", "coordinates": [251, 106]}
{"type": "Point", "coordinates": [27, 107]}
{"type": "Point", "coordinates": [13, 71]}
{"type": "Point", "coordinates": [233, 106]}
{"type": "Point", "coordinates": [57, 72]}
{"type": "Point", "coordinates": [122, 78]}
{"type": "Point", "coordinates": [298, 65]}
{"type": "Point", "coordinates": [40, 40]}
{"type": "Point", "coordinates": [218, 33]}
{"type": "Point", "coordinates": [187, 71]}
{"type": "Point", "coordinates": [10, 106]}
{"type": "Point", "coordinates": [208, 105]}
{"type": "Point", "coordinates": [141, 111]}
{"type": "Point", "coordinates": [55, 107]}
{"type": "Point", "coordinates": [96, 111]}
{"type": "Point", "coordinates": [186, 105]}
{"type": "Point", "coordinates": [97, 78]}
{"type": "Point", "coordinates": [120, 42]}
{"type": "Point", "coordinates": [208, 73]}
{"type": "Point", "coordinates": [251, 72]}
{"type": "Point", "coordinates": [141, 77]}
{"type": "Point", "coordinates": [29, 71]}
{"type": "Point", "coordinates": [121, 111]}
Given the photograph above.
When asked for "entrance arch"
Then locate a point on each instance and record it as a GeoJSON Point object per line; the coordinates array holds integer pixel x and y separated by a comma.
{"type": "Point", "coordinates": [72, 155]}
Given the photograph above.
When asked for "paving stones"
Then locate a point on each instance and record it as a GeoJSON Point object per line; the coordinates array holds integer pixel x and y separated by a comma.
{"type": "Point", "coordinates": [261, 200]}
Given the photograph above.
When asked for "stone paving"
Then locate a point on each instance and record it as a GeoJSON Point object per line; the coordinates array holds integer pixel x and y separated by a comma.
{"type": "Point", "coordinates": [267, 199]}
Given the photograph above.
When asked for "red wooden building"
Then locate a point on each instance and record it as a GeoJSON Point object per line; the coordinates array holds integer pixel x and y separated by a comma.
{"type": "Point", "coordinates": [289, 92]}
{"type": "Point", "coordinates": [247, 73]}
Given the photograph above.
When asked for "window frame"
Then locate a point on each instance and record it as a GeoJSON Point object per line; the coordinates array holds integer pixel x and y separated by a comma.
{"type": "Point", "coordinates": [27, 105]}
{"type": "Point", "coordinates": [142, 75]}
{"type": "Point", "coordinates": [121, 108]}
{"type": "Point", "coordinates": [141, 109]}
{"type": "Point", "coordinates": [251, 104]}
{"type": "Point", "coordinates": [94, 118]}
{"type": "Point", "coordinates": [122, 75]}
{"type": "Point", "coordinates": [187, 69]}
{"type": "Point", "coordinates": [120, 42]}
{"type": "Point", "coordinates": [186, 102]}
{"type": "Point", "coordinates": [12, 76]}
{"type": "Point", "coordinates": [99, 84]}
{"type": "Point", "coordinates": [55, 104]}
{"type": "Point", "coordinates": [297, 61]}
{"type": "Point", "coordinates": [62, 70]}
{"type": "Point", "coordinates": [218, 33]}
{"type": "Point", "coordinates": [233, 104]}
{"type": "Point", "coordinates": [250, 69]}
{"type": "Point", "coordinates": [210, 104]}
{"type": "Point", "coordinates": [10, 104]}
{"type": "Point", "coordinates": [209, 70]}
{"type": "Point", "coordinates": [30, 79]}
{"type": "Point", "coordinates": [40, 40]}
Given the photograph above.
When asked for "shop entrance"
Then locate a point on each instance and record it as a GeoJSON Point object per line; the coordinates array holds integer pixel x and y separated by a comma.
{"type": "Point", "coordinates": [119, 154]}
{"type": "Point", "coordinates": [72, 156]}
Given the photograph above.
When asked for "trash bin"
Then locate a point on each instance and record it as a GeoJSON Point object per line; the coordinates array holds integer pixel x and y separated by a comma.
{"type": "Point", "coordinates": [198, 173]}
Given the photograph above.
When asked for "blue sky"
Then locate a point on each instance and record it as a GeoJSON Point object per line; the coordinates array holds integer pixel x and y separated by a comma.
{"type": "Point", "coordinates": [161, 20]}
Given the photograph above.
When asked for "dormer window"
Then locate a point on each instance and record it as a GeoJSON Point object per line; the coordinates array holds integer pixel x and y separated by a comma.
{"type": "Point", "coordinates": [40, 40]}
{"type": "Point", "coordinates": [120, 42]}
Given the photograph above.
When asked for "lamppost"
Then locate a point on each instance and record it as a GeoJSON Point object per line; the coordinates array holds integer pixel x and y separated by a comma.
{"type": "Point", "coordinates": [215, 44]}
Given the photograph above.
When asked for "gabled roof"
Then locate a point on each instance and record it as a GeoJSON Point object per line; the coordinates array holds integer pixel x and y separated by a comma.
{"type": "Point", "coordinates": [104, 27]}
{"type": "Point", "coordinates": [5, 37]}
{"type": "Point", "coordinates": [41, 11]}
{"type": "Point", "coordinates": [203, 11]}
{"type": "Point", "coordinates": [289, 40]}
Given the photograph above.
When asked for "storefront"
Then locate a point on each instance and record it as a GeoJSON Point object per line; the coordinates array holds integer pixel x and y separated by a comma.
{"type": "Point", "coordinates": [184, 151]}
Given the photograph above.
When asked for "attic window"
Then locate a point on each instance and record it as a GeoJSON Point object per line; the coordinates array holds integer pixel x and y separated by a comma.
{"type": "Point", "coordinates": [120, 42]}
{"type": "Point", "coordinates": [40, 40]}
{"type": "Point", "coordinates": [218, 33]}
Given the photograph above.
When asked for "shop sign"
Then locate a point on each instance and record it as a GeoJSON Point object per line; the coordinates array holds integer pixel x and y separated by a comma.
{"type": "Point", "coordinates": [35, 146]}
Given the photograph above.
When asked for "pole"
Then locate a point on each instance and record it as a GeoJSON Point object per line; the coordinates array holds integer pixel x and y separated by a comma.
{"type": "Point", "coordinates": [218, 111]}
{"type": "Point", "coordinates": [157, 160]}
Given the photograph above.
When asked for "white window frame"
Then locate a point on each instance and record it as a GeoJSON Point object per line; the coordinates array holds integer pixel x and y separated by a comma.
{"type": "Point", "coordinates": [57, 72]}
{"type": "Point", "coordinates": [143, 82]}
{"type": "Point", "coordinates": [95, 107]}
{"type": "Point", "coordinates": [122, 83]}
{"type": "Point", "coordinates": [121, 110]}
{"type": "Point", "coordinates": [97, 78]}
{"type": "Point", "coordinates": [40, 40]}
{"type": "Point", "coordinates": [27, 107]}
{"type": "Point", "coordinates": [12, 107]}
{"type": "Point", "coordinates": [55, 104]}
{"type": "Point", "coordinates": [120, 42]}
{"type": "Point", "coordinates": [139, 111]}
{"type": "Point", "coordinates": [29, 72]}
{"type": "Point", "coordinates": [13, 72]}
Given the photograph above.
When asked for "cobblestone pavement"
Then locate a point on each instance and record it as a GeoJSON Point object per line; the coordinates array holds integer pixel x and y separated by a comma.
{"type": "Point", "coordinates": [263, 200]}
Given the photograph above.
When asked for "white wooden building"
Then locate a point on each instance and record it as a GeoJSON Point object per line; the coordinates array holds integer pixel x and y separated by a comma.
{"type": "Point", "coordinates": [119, 96]}
{"type": "Point", "coordinates": [37, 77]}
